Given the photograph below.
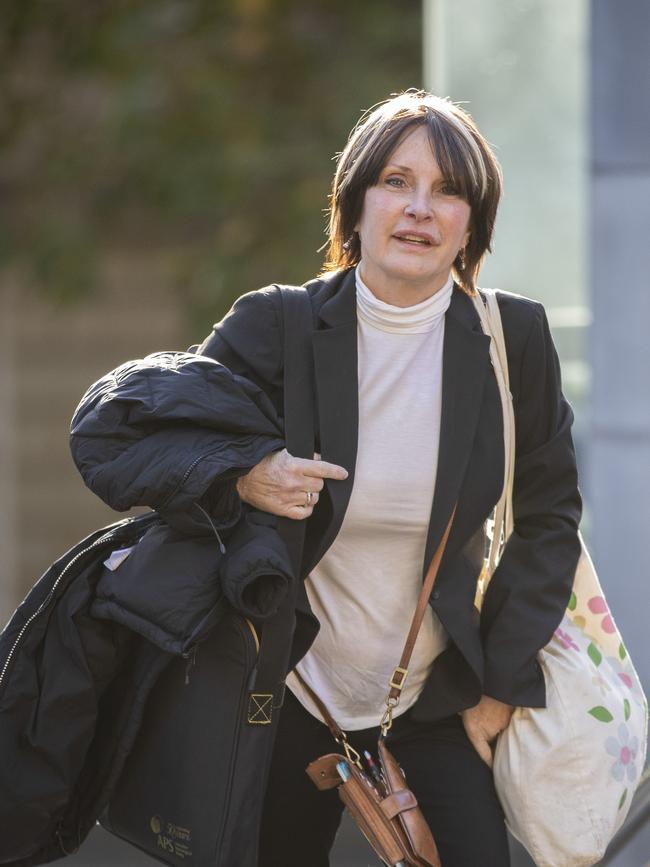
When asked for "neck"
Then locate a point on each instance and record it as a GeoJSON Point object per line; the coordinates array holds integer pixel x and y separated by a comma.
{"type": "Point", "coordinates": [403, 294]}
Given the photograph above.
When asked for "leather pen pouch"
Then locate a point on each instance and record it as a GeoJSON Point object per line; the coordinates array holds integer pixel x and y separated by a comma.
{"type": "Point", "coordinates": [372, 812]}
{"type": "Point", "coordinates": [370, 819]}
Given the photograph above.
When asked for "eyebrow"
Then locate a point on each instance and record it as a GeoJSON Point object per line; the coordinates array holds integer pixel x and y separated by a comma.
{"type": "Point", "coordinates": [397, 166]}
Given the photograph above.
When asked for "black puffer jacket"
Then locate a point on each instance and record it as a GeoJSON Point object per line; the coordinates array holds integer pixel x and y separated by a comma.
{"type": "Point", "coordinates": [172, 431]}
{"type": "Point", "coordinates": [82, 652]}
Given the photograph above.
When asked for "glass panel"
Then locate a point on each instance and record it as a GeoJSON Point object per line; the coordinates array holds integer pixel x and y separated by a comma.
{"type": "Point", "coordinates": [520, 67]}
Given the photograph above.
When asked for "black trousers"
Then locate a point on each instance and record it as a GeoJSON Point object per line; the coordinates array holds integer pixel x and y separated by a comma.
{"type": "Point", "coordinates": [454, 787]}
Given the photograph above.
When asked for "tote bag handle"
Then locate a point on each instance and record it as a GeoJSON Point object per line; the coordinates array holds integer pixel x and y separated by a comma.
{"type": "Point", "coordinates": [503, 521]}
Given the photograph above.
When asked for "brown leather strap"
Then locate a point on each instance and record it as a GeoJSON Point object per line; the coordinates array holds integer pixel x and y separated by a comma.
{"type": "Point", "coordinates": [397, 802]}
{"type": "Point", "coordinates": [400, 672]}
{"type": "Point", "coordinates": [423, 601]}
{"type": "Point", "coordinates": [339, 734]}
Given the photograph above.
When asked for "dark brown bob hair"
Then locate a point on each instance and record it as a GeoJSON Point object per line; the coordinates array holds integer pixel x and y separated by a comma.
{"type": "Point", "coordinates": [465, 158]}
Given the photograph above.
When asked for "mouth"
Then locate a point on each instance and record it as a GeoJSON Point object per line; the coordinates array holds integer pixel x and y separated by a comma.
{"type": "Point", "coordinates": [413, 240]}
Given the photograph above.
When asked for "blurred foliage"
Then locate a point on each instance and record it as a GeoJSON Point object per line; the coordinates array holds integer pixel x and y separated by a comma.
{"type": "Point", "coordinates": [199, 128]}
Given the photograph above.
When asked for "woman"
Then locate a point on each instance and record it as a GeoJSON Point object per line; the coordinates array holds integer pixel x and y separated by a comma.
{"type": "Point", "coordinates": [409, 423]}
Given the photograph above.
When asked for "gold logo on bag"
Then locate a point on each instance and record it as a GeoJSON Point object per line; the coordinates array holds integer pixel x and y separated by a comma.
{"type": "Point", "coordinates": [260, 708]}
{"type": "Point", "coordinates": [172, 838]}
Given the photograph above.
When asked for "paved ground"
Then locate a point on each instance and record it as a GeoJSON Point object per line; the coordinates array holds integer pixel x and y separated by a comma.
{"type": "Point", "coordinates": [102, 849]}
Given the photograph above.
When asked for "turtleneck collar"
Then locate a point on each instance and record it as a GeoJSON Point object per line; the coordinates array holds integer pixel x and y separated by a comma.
{"type": "Point", "coordinates": [402, 320]}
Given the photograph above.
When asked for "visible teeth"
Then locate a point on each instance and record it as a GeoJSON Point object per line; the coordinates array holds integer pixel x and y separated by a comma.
{"type": "Point", "coordinates": [413, 238]}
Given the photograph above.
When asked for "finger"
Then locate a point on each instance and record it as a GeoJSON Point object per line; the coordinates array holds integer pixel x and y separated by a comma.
{"type": "Point", "coordinates": [316, 468]}
{"type": "Point", "coordinates": [299, 513]}
{"type": "Point", "coordinates": [296, 496]}
{"type": "Point", "coordinates": [324, 470]}
{"type": "Point", "coordinates": [306, 498]}
{"type": "Point", "coordinates": [310, 483]}
{"type": "Point", "coordinates": [493, 739]}
{"type": "Point", "coordinates": [293, 486]}
{"type": "Point", "coordinates": [483, 749]}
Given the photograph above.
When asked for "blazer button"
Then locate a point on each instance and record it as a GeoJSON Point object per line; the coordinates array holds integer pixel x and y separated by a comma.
{"type": "Point", "coordinates": [435, 594]}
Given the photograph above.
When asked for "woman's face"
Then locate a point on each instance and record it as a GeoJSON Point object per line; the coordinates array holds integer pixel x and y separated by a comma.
{"type": "Point", "coordinates": [412, 225]}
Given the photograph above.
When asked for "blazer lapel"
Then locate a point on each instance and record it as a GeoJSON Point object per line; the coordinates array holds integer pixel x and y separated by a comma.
{"type": "Point", "coordinates": [337, 396]}
{"type": "Point", "coordinates": [466, 361]}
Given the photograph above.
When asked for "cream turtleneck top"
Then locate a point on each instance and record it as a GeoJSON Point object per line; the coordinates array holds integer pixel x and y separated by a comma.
{"type": "Point", "coordinates": [365, 588]}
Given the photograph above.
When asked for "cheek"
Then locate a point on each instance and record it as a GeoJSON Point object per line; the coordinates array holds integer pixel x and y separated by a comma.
{"type": "Point", "coordinates": [457, 219]}
{"type": "Point", "coordinates": [375, 217]}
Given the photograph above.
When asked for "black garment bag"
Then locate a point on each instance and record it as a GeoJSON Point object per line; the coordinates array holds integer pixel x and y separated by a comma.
{"type": "Point", "coordinates": [192, 788]}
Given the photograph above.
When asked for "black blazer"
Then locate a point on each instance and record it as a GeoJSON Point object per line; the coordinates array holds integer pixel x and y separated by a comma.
{"type": "Point", "coordinates": [494, 653]}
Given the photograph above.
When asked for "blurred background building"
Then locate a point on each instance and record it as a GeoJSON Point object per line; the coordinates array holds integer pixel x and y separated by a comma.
{"type": "Point", "coordinates": [162, 157]}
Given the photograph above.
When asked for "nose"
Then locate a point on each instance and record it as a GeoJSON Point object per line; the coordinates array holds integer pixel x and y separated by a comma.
{"type": "Point", "coordinates": [420, 205]}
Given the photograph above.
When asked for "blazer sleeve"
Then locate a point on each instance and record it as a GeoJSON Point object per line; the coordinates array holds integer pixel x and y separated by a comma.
{"type": "Point", "coordinates": [249, 342]}
{"type": "Point", "coordinates": [531, 586]}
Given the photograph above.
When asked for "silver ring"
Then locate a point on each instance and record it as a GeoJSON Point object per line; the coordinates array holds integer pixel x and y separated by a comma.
{"type": "Point", "coordinates": [309, 498]}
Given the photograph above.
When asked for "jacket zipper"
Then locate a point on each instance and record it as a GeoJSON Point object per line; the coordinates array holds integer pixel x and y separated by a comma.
{"type": "Point", "coordinates": [185, 477]}
{"type": "Point", "coordinates": [190, 656]}
{"type": "Point", "coordinates": [103, 540]}
{"type": "Point", "coordinates": [46, 602]}
{"type": "Point", "coordinates": [191, 662]}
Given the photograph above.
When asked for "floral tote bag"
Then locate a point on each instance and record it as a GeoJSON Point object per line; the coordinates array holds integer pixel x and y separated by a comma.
{"type": "Point", "coordinates": [566, 773]}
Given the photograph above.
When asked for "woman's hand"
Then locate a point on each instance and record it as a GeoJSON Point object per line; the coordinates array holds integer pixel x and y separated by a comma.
{"type": "Point", "coordinates": [280, 484]}
{"type": "Point", "coordinates": [484, 722]}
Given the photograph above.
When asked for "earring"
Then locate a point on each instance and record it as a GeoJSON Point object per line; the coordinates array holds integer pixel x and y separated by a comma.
{"type": "Point", "coordinates": [461, 257]}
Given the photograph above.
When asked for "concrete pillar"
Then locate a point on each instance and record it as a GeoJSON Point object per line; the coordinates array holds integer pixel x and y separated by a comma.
{"type": "Point", "coordinates": [619, 458]}
{"type": "Point", "coordinates": [619, 453]}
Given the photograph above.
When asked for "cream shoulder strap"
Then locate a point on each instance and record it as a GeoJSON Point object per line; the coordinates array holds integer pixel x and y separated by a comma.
{"type": "Point", "coordinates": [490, 317]}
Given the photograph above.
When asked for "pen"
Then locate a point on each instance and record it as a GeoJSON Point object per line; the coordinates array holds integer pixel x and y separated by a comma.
{"type": "Point", "coordinates": [372, 767]}
{"type": "Point", "coordinates": [374, 770]}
